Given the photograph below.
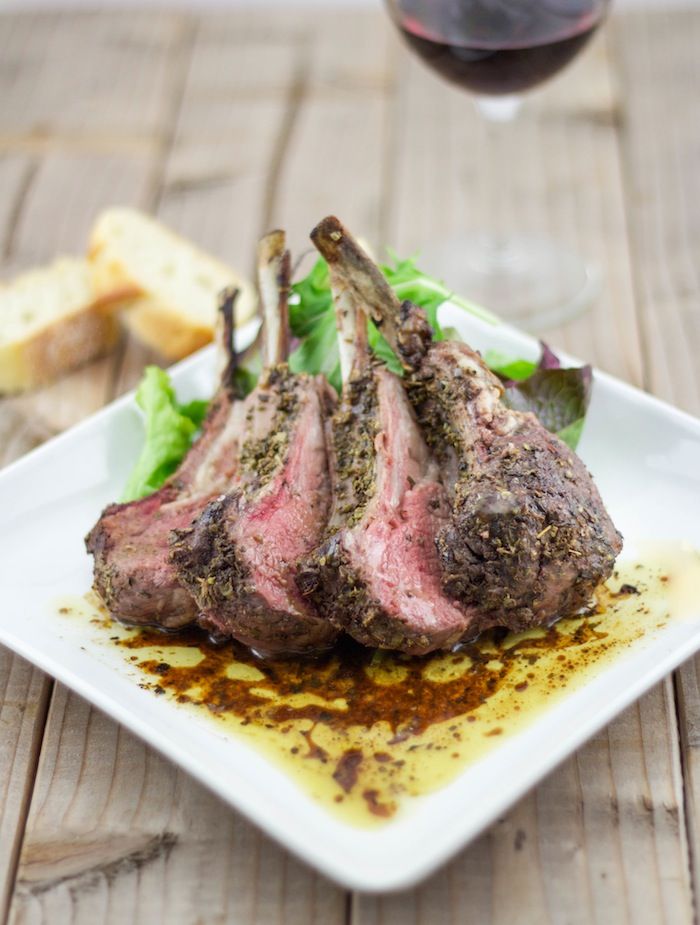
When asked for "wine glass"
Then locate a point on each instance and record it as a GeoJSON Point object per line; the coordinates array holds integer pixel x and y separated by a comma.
{"type": "Point", "coordinates": [498, 48]}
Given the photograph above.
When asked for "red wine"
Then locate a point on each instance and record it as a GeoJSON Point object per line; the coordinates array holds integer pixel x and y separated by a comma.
{"type": "Point", "coordinates": [498, 46]}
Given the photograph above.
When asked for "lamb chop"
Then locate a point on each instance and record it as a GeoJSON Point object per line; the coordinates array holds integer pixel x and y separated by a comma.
{"type": "Point", "coordinates": [132, 573]}
{"type": "Point", "coordinates": [377, 573]}
{"type": "Point", "coordinates": [528, 539]}
{"type": "Point", "coordinates": [239, 559]}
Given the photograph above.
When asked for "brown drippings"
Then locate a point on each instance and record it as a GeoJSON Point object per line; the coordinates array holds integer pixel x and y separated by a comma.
{"type": "Point", "coordinates": [348, 768]}
{"type": "Point", "coordinates": [364, 729]}
{"type": "Point", "coordinates": [358, 686]}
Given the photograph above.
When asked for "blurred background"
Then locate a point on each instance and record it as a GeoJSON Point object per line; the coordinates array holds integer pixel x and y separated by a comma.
{"type": "Point", "coordinates": [223, 4]}
{"type": "Point", "coordinates": [225, 118]}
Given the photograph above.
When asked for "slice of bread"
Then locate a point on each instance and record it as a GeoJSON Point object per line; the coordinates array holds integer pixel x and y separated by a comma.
{"type": "Point", "coordinates": [174, 285]}
{"type": "Point", "coordinates": [51, 322]}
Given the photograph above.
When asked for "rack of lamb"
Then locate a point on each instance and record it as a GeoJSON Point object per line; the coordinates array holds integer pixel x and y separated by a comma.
{"type": "Point", "coordinates": [527, 539]}
{"type": "Point", "coordinates": [239, 558]}
{"type": "Point", "coordinates": [133, 573]}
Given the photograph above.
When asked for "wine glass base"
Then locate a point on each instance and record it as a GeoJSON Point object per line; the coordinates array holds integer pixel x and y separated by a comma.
{"type": "Point", "coordinates": [529, 282]}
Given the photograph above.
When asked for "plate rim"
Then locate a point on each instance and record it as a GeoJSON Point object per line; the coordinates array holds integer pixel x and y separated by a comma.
{"type": "Point", "coordinates": [340, 864]}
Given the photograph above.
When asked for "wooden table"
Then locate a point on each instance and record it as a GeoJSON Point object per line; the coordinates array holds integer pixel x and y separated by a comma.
{"type": "Point", "coordinates": [224, 126]}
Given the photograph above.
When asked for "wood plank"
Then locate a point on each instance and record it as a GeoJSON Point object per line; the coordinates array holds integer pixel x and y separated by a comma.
{"type": "Point", "coordinates": [81, 74]}
{"type": "Point", "coordinates": [49, 198]}
{"type": "Point", "coordinates": [18, 434]}
{"type": "Point", "coordinates": [242, 75]}
{"type": "Point", "coordinates": [603, 838]}
{"type": "Point", "coordinates": [234, 107]}
{"type": "Point", "coordinates": [117, 834]}
{"type": "Point", "coordinates": [24, 694]}
{"type": "Point", "coordinates": [240, 81]}
{"type": "Point", "coordinates": [15, 174]}
{"type": "Point", "coordinates": [334, 160]}
{"type": "Point", "coordinates": [661, 142]}
{"type": "Point", "coordinates": [659, 70]}
{"type": "Point", "coordinates": [24, 690]}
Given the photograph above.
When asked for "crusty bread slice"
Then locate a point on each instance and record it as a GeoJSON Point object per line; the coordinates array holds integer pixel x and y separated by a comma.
{"type": "Point", "coordinates": [176, 285]}
{"type": "Point", "coordinates": [51, 322]}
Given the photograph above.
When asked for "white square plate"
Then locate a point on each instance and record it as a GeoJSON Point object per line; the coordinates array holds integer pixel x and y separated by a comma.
{"type": "Point", "coordinates": [645, 457]}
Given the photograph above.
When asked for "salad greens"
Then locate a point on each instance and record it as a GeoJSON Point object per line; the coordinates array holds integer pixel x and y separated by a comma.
{"type": "Point", "coordinates": [170, 430]}
{"type": "Point", "coordinates": [311, 317]}
{"type": "Point", "coordinates": [559, 397]}
{"type": "Point", "coordinates": [507, 367]}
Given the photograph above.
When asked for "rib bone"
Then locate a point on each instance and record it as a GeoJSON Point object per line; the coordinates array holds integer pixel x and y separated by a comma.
{"type": "Point", "coordinates": [274, 280]}
{"type": "Point", "coordinates": [403, 324]}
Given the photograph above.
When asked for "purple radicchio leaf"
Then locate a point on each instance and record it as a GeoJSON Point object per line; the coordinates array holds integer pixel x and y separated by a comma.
{"type": "Point", "coordinates": [549, 359]}
{"type": "Point", "coordinates": [558, 397]}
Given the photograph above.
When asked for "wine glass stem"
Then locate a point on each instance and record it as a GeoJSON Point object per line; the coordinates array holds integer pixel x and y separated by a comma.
{"type": "Point", "coordinates": [499, 112]}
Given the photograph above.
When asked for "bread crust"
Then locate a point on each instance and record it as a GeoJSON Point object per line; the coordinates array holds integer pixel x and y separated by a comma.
{"type": "Point", "coordinates": [155, 319]}
{"type": "Point", "coordinates": [59, 347]}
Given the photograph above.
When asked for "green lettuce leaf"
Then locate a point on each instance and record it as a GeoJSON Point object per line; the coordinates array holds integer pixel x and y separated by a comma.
{"type": "Point", "coordinates": [508, 367]}
{"type": "Point", "coordinates": [170, 430]}
{"type": "Point", "coordinates": [408, 282]}
{"type": "Point", "coordinates": [571, 434]}
{"type": "Point", "coordinates": [380, 347]}
{"type": "Point", "coordinates": [195, 410]}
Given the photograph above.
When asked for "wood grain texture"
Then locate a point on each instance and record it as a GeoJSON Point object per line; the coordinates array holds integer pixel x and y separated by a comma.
{"type": "Point", "coordinates": [117, 834]}
{"type": "Point", "coordinates": [334, 157]}
{"type": "Point", "coordinates": [562, 173]}
{"type": "Point", "coordinates": [49, 195]}
{"type": "Point", "coordinates": [24, 690]}
{"type": "Point", "coordinates": [225, 125]}
{"type": "Point", "coordinates": [86, 74]}
{"type": "Point", "coordinates": [24, 693]}
{"type": "Point", "coordinates": [105, 841]}
{"type": "Point", "coordinates": [603, 838]}
{"type": "Point", "coordinates": [233, 110]}
{"type": "Point", "coordinates": [659, 70]}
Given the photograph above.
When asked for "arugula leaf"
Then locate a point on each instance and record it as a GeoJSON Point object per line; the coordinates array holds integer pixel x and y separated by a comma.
{"type": "Point", "coordinates": [311, 316]}
{"type": "Point", "coordinates": [313, 299]}
{"type": "Point", "coordinates": [318, 351]}
{"type": "Point", "coordinates": [380, 347]}
{"type": "Point", "coordinates": [170, 430]}
{"type": "Point", "coordinates": [408, 282]}
{"type": "Point", "coordinates": [559, 397]}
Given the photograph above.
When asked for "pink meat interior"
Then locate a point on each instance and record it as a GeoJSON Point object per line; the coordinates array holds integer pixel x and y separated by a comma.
{"type": "Point", "coordinates": [394, 545]}
{"type": "Point", "coordinates": [285, 523]}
